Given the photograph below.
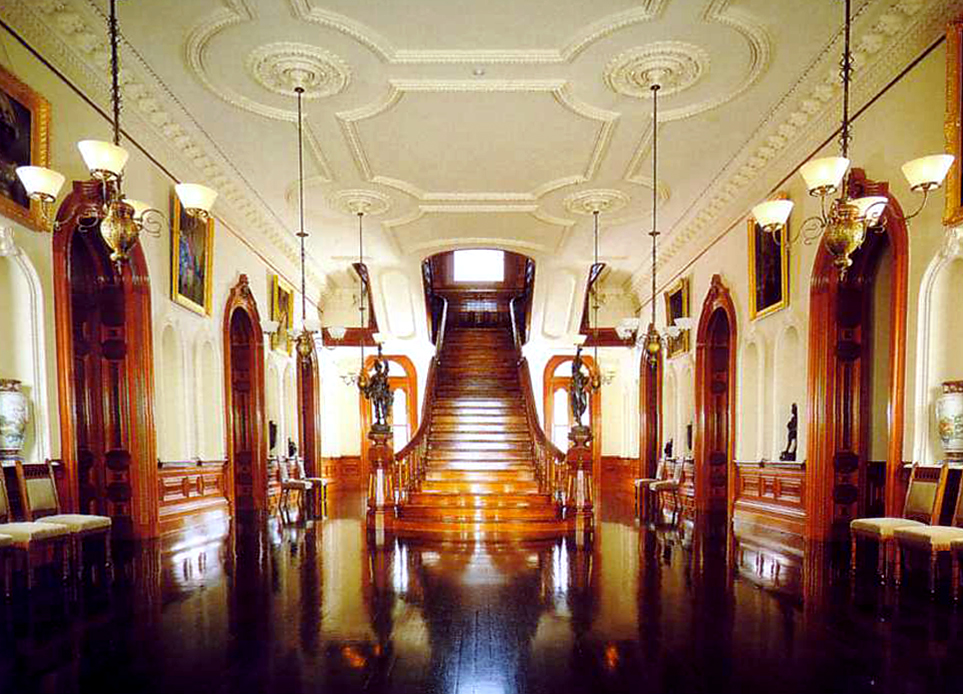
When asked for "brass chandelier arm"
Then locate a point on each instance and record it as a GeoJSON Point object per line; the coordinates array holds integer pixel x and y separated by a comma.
{"type": "Point", "coordinates": [152, 222]}
{"type": "Point", "coordinates": [811, 230]}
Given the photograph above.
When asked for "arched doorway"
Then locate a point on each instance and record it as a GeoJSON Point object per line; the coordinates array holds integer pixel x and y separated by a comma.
{"type": "Point", "coordinates": [244, 399]}
{"type": "Point", "coordinates": [857, 365]}
{"type": "Point", "coordinates": [650, 415]}
{"type": "Point", "coordinates": [309, 412]}
{"type": "Point", "coordinates": [557, 385]}
{"type": "Point", "coordinates": [105, 371]}
{"type": "Point", "coordinates": [403, 381]}
{"type": "Point", "coordinates": [715, 400]}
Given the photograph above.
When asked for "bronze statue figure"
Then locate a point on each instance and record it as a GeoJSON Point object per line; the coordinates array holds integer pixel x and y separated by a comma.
{"type": "Point", "coordinates": [377, 390]}
{"type": "Point", "coordinates": [790, 453]}
{"type": "Point", "coordinates": [578, 396]}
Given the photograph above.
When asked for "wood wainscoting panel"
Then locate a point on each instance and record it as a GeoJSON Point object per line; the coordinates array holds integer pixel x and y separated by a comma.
{"type": "Point", "coordinates": [770, 495]}
{"type": "Point", "coordinates": [619, 474]}
{"type": "Point", "coordinates": [344, 471]}
{"type": "Point", "coordinates": [190, 493]}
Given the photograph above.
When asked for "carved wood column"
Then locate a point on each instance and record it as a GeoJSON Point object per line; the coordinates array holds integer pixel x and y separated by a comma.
{"type": "Point", "coordinates": [579, 497]}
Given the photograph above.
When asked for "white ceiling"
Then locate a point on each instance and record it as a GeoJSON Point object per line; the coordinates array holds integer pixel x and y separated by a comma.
{"type": "Point", "coordinates": [500, 122]}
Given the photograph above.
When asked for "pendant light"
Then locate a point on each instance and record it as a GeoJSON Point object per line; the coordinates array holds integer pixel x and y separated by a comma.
{"type": "Point", "coordinates": [844, 221]}
{"type": "Point", "coordinates": [121, 220]}
{"type": "Point", "coordinates": [305, 340]}
{"type": "Point", "coordinates": [362, 372]}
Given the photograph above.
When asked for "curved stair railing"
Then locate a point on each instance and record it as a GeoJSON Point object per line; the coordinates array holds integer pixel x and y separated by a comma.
{"type": "Point", "coordinates": [410, 461]}
{"type": "Point", "coordinates": [549, 459]}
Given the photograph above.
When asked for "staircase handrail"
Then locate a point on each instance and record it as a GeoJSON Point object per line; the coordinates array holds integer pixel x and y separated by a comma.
{"type": "Point", "coordinates": [549, 460]}
{"type": "Point", "coordinates": [410, 460]}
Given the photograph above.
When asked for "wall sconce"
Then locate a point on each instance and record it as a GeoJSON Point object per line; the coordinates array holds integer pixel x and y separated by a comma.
{"type": "Point", "coordinates": [336, 333]}
{"type": "Point", "coordinates": [627, 328]}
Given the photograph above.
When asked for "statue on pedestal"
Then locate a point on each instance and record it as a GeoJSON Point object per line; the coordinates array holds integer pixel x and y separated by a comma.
{"type": "Point", "coordinates": [578, 396]}
{"type": "Point", "coordinates": [376, 389]}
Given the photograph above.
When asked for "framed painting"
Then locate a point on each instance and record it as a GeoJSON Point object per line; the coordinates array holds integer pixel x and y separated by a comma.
{"type": "Point", "coordinates": [677, 306]}
{"type": "Point", "coordinates": [953, 127]}
{"type": "Point", "coordinates": [192, 260]}
{"type": "Point", "coordinates": [768, 271]}
{"type": "Point", "coordinates": [282, 310]}
{"type": "Point", "coordinates": [24, 141]}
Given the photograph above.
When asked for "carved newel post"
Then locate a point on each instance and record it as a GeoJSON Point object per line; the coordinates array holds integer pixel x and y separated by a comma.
{"type": "Point", "coordinates": [381, 493]}
{"type": "Point", "coordinates": [578, 461]}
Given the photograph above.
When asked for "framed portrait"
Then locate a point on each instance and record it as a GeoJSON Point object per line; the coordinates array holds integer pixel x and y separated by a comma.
{"type": "Point", "coordinates": [677, 306]}
{"type": "Point", "coordinates": [282, 310]}
{"type": "Point", "coordinates": [192, 260]}
{"type": "Point", "coordinates": [24, 141]}
{"type": "Point", "coordinates": [768, 271]}
{"type": "Point", "coordinates": [953, 127]}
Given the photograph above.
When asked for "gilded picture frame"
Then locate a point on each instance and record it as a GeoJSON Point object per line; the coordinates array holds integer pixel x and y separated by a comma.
{"type": "Point", "coordinates": [282, 311]}
{"type": "Point", "coordinates": [953, 127]}
{"type": "Point", "coordinates": [768, 270]}
{"type": "Point", "coordinates": [677, 306]}
{"type": "Point", "coordinates": [24, 141]}
{"type": "Point", "coordinates": [192, 260]}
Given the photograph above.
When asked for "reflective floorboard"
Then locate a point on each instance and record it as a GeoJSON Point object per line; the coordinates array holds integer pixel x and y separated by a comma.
{"type": "Point", "coordinates": [312, 607]}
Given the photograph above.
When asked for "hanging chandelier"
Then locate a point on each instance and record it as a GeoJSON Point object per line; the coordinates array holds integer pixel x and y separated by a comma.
{"type": "Point", "coordinates": [595, 381]}
{"type": "Point", "coordinates": [363, 293]}
{"type": "Point", "coordinates": [652, 341]}
{"type": "Point", "coordinates": [844, 221]}
{"type": "Point", "coordinates": [121, 220]}
{"type": "Point", "coordinates": [304, 342]}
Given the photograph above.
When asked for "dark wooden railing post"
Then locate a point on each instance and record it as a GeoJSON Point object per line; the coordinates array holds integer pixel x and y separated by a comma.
{"type": "Point", "coordinates": [579, 505]}
{"type": "Point", "coordinates": [381, 488]}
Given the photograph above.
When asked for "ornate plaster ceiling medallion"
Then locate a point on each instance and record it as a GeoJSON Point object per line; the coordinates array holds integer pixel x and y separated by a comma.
{"type": "Point", "coordinates": [369, 202]}
{"type": "Point", "coordinates": [674, 65]}
{"type": "Point", "coordinates": [281, 67]}
{"type": "Point", "coordinates": [605, 201]}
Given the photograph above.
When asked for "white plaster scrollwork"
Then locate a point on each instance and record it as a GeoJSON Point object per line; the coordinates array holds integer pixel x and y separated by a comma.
{"type": "Point", "coordinates": [673, 65]}
{"type": "Point", "coordinates": [358, 201]}
{"type": "Point", "coordinates": [604, 200]}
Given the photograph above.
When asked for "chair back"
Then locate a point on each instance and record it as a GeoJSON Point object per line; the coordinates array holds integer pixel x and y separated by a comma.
{"type": "Point", "coordinates": [5, 512]}
{"type": "Point", "coordinates": [679, 471]}
{"type": "Point", "coordinates": [660, 468]}
{"type": "Point", "coordinates": [283, 473]}
{"type": "Point", "coordinates": [38, 490]}
{"type": "Point", "coordinates": [924, 495]}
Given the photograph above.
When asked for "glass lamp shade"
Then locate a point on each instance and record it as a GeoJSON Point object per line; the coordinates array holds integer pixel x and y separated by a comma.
{"type": "Point", "coordinates": [683, 323]}
{"type": "Point", "coordinates": [379, 338]}
{"type": "Point", "coordinates": [337, 332]}
{"type": "Point", "coordinates": [312, 325]}
{"type": "Point", "coordinates": [104, 160]}
{"type": "Point", "coordinates": [194, 196]}
{"type": "Point", "coordinates": [870, 207]}
{"type": "Point", "coordinates": [270, 326]}
{"type": "Point", "coordinates": [41, 183]}
{"type": "Point", "coordinates": [579, 340]}
{"type": "Point", "coordinates": [824, 175]}
{"type": "Point", "coordinates": [772, 214]}
{"type": "Point", "coordinates": [673, 331]}
{"type": "Point", "coordinates": [927, 173]}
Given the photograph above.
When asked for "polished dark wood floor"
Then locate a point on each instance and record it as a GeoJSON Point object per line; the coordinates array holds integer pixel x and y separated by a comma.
{"type": "Point", "coordinates": [313, 608]}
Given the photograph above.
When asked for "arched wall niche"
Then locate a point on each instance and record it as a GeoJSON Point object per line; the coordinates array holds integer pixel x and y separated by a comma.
{"type": "Point", "coordinates": [670, 411]}
{"type": "Point", "coordinates": [686, 407]}
{"type": "Point", "coordinates": [172, 443]}
{"type": "Point", "coordinates": [940, 325]}
{"type": "Point", "coordinates": [750, 399]}
{"type": "Point", "coordinates": [22, 324]}
{"type": "Point", "coordinates": [274, 411]}
{"type": "Point", "coordinates": [290, 405]}
{"type": "Point", "coordinates": [210, 436]}
{"type": "Point", "coordinates": [789, 387]}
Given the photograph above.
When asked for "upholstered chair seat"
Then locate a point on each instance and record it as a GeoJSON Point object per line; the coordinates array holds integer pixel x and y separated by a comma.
{"type": "Point", "coordinates": [939, 538]}
{"type": "Point", "coordinates": [642, 484]}
{"type": "Point", "coordinates": [924, 500]}
{"type": "Point", "coordinates": [77, 522]}
{"type": "Point", "coordinates": [882, 527]}
{"type": "Point", "coordinates": [5, 541]}
{"type": "Point", "coordinates": [22, 534]}
{"type": "Point", "coordinates": [670, 486]}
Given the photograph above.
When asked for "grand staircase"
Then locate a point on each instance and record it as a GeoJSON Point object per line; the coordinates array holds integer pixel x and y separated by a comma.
{"type": "Point", "coordinates": [478, 471]}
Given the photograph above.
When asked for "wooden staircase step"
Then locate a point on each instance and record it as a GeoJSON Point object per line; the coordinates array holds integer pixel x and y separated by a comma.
{"type": "Point", "coordinates": [456, 514]}
{"type": "Point", "coordinates": [447, 446]}
{"type": "Point", "coordinates": [435, 455]}
{"type": "Point", "coordinates": [480, 500]}
{"type": "Point", "coordinates": [446, 474]}
{"type": "Point", "coordinates": [473, 531]}
{"type": "Point", "coordinates": [480, 487]}
{"type": "Point", "coordinates": [482, 466]}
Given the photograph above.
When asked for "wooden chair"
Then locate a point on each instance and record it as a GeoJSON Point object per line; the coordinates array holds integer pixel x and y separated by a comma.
{"type": "Point", "coordinates": [6, 547]}
{"type": "Point", "coordinates": [38, 491]}
{"type": "Point", "coordinates": [289, 485]}
{"type": "Point", "coordinates": [924, 500]}
{"type": "Point", "coordinates": [319, 488]}
{"type": "Point", "coordinates": [933, 539]}
{"type": "Point", "coordinates": [642, 485]}
{"type": "Point", "coordinates": [672, 486]}
{"type": "Point", "coordinates": [35, 543]}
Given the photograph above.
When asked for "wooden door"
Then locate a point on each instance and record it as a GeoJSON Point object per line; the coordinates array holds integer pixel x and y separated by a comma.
{"type": "Point", "coordinates": [717, 416]}
{"type": "Point", "coordinates": [243, 410]}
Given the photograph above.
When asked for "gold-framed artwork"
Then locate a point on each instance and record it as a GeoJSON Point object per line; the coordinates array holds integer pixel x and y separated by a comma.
{"type": "Point", "coordinates": [282, 311]}
{"type": "Point", "coordinates": [192, 260]}
{"type": "Point", "coordinates": [768, 270]}
{"type": "Point", "coordinates": [953, 125]}
{"type": "Point", "coordinates": [24, 141]}
{"type": "Point", "coordinates": [677, 306]}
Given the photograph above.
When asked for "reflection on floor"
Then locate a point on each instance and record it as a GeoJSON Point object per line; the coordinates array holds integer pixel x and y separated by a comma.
{"type": "Point", "coordinates": [312, 608]}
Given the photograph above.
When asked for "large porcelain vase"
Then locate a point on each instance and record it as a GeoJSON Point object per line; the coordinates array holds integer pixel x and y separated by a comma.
{"type": "Point", "coordinates": [13, 416]}
{"type": "Point", "coordinates": [949, 419]}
